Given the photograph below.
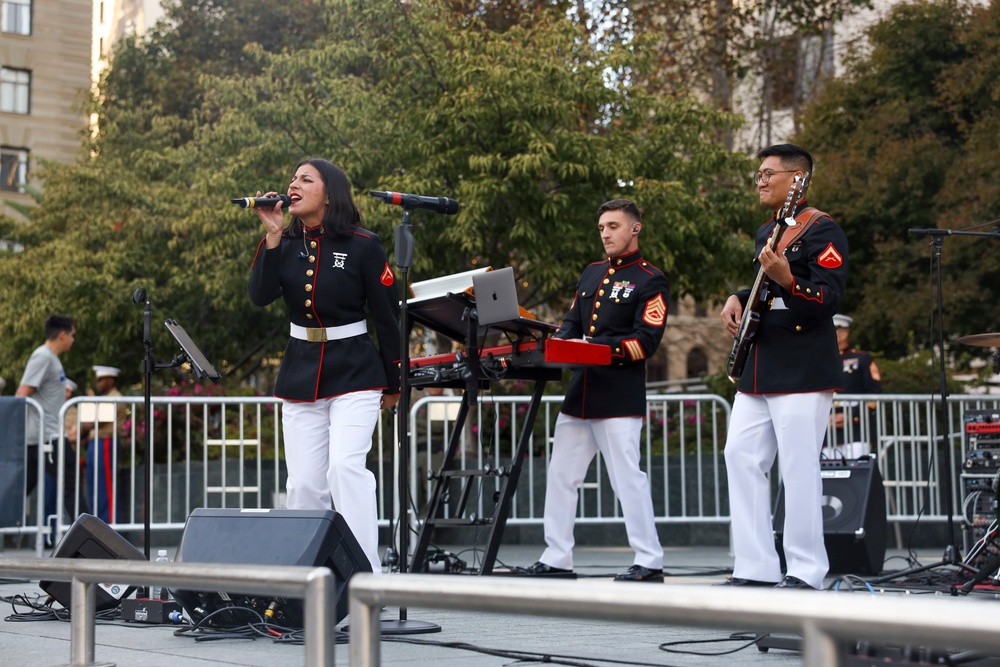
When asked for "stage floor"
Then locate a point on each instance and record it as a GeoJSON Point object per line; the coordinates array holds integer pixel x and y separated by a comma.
{"type": "Point", "coordinates": [44, 643]}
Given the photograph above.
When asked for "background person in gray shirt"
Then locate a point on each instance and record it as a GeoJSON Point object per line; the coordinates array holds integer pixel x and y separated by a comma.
{"type": "Point", "coordinates": [45, 381]}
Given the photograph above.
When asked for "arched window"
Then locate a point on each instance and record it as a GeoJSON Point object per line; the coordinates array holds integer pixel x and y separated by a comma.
{"type": "Point", "coordinates": [697, 363]}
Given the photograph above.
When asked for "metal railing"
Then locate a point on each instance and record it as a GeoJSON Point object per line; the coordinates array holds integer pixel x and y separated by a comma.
{"type": "Point", "coordinates": [828, 622]}
{"type": "Point", "coordinates": [315, 585]}
{"type": "Point", "coordinates": [227, 452]}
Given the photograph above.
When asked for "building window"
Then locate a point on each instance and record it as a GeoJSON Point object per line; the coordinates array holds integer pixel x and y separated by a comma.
{"type": "Point", "coordinates": [15, 16]}
{"type": "Point", "coordinates": [15, 90]}
{"type": "Point", "coordinates": [13, 168]}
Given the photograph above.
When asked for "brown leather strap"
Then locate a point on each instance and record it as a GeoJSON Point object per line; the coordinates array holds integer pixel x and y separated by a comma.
{"type": "Point", "coordinates": [805, 220]}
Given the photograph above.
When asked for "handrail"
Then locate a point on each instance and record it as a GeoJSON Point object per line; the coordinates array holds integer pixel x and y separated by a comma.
{"type": "Point", "coordinates": [315, 584]}
{"type": "Point", "coordinates": [828, 622]}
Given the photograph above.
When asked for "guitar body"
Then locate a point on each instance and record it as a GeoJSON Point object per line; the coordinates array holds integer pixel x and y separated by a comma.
{"type": "Point", "coordinates": [744, 341]}
{"type": "Point", "coordinates": [750, 321]}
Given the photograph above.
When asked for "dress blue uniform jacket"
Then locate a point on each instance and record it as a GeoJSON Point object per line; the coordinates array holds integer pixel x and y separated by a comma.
{"type": "Point", "coordinates": [326, 283]}
{"type": "Point", "coordinates": [796, 348]}
{"type": "Point", "coordinates": [621, 303]}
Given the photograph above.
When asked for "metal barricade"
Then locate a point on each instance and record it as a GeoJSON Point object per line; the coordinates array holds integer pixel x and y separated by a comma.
{"type": "Point", "coordinates": [316, 585]}
{"type": "Point", "coordinates": [827, 622]}
{"type": "Point", "coordinates": [226, 451]}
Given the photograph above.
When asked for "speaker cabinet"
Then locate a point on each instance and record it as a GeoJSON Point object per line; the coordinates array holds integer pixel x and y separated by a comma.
{"type": "Point", "coordinates": [854, 517]}
{"type": "Point", "coordinates": [266, 537]}
{"type": "Point", "coordinates": [90, 537]}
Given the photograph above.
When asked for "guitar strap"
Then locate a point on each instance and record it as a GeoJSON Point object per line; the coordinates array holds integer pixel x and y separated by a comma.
{"type": "Point", "coordinates": [805, 220]}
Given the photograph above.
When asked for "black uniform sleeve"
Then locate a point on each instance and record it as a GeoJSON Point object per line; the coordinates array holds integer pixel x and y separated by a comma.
{"type": "Point", "coordinates": [572, 324]}
{"type": "Point", "coordinates": [265, 283]}
{"type": "Point", "coordinates": [872, 385]}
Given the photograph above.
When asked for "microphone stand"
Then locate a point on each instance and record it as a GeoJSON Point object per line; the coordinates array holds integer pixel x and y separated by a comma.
{"type": "Point", "coordinates": [404, 259]}
{"type": "Point", "coordinates": [951, 552]}
{"type": "Point", "coordinates": [202, 368]}
{"type": "Point", "coordinates": [147, 372]}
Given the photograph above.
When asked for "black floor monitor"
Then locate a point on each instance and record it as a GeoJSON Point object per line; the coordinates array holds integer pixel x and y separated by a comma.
{"type": "Point", "coordinates": [90, 537]}
{"type": "Point", "coordinates": [266, 537]}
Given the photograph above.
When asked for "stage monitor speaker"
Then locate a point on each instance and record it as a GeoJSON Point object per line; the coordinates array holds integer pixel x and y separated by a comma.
{"type": "Point", "coordinates": [90, 537]}
{"type": "Point", "coordinates": [854, 517]}
{"type": "Point", "coordinates": [266, 537]}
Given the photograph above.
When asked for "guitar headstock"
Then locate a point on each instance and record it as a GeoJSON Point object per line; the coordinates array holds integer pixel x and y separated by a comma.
{"type": "Point", "coordinates": [796, 191]}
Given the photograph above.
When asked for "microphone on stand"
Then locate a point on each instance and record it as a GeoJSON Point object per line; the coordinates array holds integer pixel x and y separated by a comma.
{"type": "Point", "coordinates": [442, 205]}
{"type": "Point", "coordinates": [262, 202]}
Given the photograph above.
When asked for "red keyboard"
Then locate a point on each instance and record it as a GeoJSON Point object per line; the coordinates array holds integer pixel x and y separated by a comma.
{"type": "Point", "coordinates": [526, 356]}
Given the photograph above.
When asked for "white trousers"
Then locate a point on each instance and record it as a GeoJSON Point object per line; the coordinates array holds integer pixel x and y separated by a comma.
{"type": "Point", "coordinates": [326, 446]}
{"type": "Point", "coordinates": [791, 426]}
{"type": "Point", "coordinates": [576, 442]}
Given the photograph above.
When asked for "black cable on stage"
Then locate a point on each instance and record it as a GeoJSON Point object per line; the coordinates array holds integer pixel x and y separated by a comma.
{"type": "Point", "coordinates": [749, 639]}
{"type": "Point", "coordinates": [523, 656]}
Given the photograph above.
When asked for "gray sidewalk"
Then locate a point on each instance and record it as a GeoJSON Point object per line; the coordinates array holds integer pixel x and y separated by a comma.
{"type": "Point", "coordinates": [44, 643]}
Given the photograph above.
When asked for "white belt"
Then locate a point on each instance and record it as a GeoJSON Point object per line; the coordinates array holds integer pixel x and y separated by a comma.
{"type": "Point", "coordinates": [318, 335]}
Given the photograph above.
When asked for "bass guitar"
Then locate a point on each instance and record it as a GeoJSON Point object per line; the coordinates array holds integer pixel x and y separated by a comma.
{"type": "Point", "coordinates": [747, 333]}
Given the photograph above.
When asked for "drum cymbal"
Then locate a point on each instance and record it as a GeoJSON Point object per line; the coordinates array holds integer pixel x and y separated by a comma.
{"type": "Point", "coordinates": [981, 340]}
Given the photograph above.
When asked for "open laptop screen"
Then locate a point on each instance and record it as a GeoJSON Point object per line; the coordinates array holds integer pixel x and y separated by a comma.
{"type": "Point", "coordinates": [496, 296]}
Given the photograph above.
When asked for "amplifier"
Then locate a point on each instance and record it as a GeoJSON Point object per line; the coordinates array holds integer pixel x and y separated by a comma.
{"type": "Point", "coordinates": [982, 440]}
{"type": "Point", "coordinates": [854, 516]}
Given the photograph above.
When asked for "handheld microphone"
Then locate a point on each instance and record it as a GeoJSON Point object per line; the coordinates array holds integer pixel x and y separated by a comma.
{"type": "Point", "coordinates": [442, 205]}
{"type": "Point", "coordinates": [263, 202]}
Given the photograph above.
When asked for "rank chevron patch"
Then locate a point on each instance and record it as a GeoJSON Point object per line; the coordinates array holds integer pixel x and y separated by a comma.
{"type": "Point", "coordinates": [655, 313]}
{"type": "Point", "coordinates": [387, 278]}
{"type": "Point", "coordinates": [634, 349]}
{"type": "Point", "coordinates": [830, 258]}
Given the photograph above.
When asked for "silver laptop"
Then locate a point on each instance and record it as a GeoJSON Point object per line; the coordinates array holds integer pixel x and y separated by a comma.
{"type": "Point", "coordinates": [496, 296]}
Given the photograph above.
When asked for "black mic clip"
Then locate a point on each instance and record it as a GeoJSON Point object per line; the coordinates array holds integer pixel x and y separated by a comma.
{"type": "Point", "coordinates": [302, 255]}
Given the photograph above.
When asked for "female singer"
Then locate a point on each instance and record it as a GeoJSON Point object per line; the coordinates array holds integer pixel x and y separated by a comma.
{"type": "Point", "coordinates": [333, 379]}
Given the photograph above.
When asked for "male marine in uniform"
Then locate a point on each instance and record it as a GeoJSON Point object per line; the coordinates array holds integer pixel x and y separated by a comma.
{"type": "Point", "coordinates": [782, 405]}
{"type": "Point", "coordinates": [620, 302]}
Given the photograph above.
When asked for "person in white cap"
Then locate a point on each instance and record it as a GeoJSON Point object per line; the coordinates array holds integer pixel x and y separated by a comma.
{"type": "Point", "coordinates": [861, 376]}
{"type": "Point", "coordinates": [102, 449]}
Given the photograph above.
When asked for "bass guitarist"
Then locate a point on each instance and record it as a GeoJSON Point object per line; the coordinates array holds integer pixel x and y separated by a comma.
{"type": "Point", "coordinates": [786, 388]}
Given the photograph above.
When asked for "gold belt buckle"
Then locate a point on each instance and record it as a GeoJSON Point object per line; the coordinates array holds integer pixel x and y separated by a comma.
{"type": "Point", "coordinates": [314, 335]}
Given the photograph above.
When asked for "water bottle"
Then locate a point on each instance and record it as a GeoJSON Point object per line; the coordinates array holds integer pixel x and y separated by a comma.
{"type": "Point", "coordinates": [156, 591]}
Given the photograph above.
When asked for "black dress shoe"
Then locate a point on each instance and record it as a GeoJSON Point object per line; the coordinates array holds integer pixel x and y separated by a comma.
{"type": "Point", "coordinates": [540, 569]}
{"type": "Point", "coordinates": [793, 582]}
{"type": "Point", "coordinates": [737, 581]}
{"type": "Point", "coordinates": [640, 573]}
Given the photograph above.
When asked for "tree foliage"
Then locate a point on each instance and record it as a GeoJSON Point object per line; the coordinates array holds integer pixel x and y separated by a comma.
{"type": "Point", "coordinates": [515, 114]}
{"type": "Point", "coordinates": [908, 138]}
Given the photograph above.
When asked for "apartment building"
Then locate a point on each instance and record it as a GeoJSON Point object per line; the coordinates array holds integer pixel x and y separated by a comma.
{"type": "Point", "coordinates": [114, 19]}
{"type": "Point", "coordinates": [45, 50]}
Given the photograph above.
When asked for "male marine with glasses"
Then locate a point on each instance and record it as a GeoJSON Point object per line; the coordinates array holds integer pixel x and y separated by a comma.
{"type": "Point", "coordinates": [784, 395]}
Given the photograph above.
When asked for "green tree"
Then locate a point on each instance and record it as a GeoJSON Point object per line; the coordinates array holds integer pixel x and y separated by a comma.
{"type": "Point", "coordinates": [908, 139]}
{"type": "Point", "coordinates": [525, 123]}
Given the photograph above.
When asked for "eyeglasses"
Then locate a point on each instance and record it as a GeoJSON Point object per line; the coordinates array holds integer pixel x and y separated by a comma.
{"type": "Point", "coordinates": [765, 176]}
